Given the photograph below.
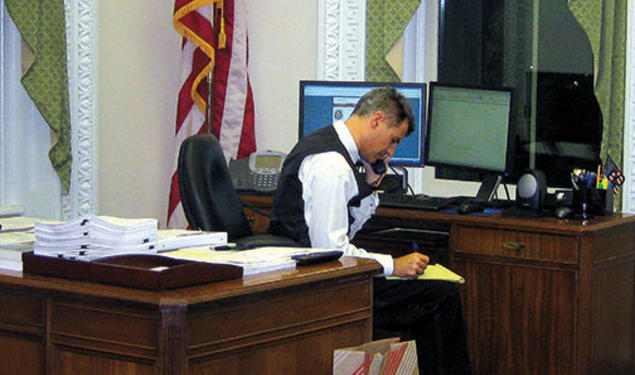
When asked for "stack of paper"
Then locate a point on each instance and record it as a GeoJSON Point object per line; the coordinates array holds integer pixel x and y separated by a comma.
{"type": "Point", "coordinates": [16, 237]}
{"type": "Point", "coordinates": [12, 245]}
{"type": "Point", "coordinates": [92, 237]}
{"type": "Point", "coordinates": [171, 239]}
{"type": "Point", "coordinates": [8, 211]}
{"type": "Point", "coordinates": [252, 261]}
{"type": "Point", "coordinates": [17, 223]}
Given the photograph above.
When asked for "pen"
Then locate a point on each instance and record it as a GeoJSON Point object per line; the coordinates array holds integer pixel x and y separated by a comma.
{"type": "Point", "coordinates": [590, 178]}
{"type": "Point", "coordinates": [229, 246]}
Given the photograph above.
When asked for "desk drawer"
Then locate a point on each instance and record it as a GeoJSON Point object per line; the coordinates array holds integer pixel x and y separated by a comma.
{"type": "Point", "coordinates": [515, 244]}
{"type": "Point", "coordinates": [21, 309]}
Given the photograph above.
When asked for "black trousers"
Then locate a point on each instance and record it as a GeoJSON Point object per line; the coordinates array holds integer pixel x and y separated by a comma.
{"type": "Point", "coordinates": [430, 311]}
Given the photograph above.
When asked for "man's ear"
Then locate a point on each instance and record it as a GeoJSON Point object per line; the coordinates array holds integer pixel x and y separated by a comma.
{"type": "Point", "coordinates": [376, 118]}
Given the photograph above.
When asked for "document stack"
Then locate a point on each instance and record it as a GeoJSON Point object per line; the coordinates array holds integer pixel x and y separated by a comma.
{"type": "Point", "coordinates": [16, 237]}
{"type": "Point", "coordinates": [92, 237]}
{"type": "Point", "coordinates": [172, 239]}
{"type": "Point", "coordinates": [262, 259]}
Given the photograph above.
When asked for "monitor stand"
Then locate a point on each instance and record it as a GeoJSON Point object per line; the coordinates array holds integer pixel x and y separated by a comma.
{"type": "Point", "coordinates": [488, 187]}
{"type": "Point", "coordinates": [404, 179]}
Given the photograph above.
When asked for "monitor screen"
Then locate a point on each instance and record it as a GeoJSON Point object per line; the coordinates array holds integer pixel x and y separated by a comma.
{"type": "Point", "coordinates": [469, 127]}
{"type": "Point", "coordinates": [324, 102]}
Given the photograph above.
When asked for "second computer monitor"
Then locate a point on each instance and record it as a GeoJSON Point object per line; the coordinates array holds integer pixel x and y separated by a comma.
{"type": "Point", "coordinates": [470, 128]}
{"type": "Point", "coordinates": [324, 102]}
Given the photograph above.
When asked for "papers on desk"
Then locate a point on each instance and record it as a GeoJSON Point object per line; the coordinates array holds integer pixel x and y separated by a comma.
{"type": "Point", "coordinates": [16, 223]}
{"type": "Point", "coordinates": [252, 261]}
{"type": "Point", "coordinates": [8, 211]}
{"type": "Point", "coordinates": [12, 245]}
{"type": "Point", "coordinates": [16, 237]}
{"type": "Point", "coordinates": [172, 239]}
{"type": "Point", "coordinates": [91, 237]}
{"type": "Point", "coordinates": [16, 241]}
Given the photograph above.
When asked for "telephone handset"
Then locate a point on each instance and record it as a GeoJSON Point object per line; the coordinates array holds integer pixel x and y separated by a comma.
{"type": "Point", "coordinates": [259, 172]}
{"type": "Point", "coordinates": [379, 167]}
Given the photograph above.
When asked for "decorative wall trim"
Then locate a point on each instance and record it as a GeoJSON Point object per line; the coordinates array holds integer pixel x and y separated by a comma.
{"type": "Point", "coordinates": [3, 89]}
{"type": "Point", "coordinates": [82, 76]}
{"type": "Point", "coordinates": [341, 40]}
{"type": "Point", "coordinates": [628, 191]}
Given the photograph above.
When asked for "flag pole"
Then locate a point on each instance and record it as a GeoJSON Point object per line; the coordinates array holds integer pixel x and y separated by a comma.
{"type": "Point", "coordinates": [210, 78]}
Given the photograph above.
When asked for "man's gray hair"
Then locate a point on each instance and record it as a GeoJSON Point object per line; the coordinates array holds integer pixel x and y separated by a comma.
{"type": "Point", "coordinates": [390, 101]}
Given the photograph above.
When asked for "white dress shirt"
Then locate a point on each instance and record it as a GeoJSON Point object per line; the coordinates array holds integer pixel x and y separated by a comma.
{"type": "Point", "coordinates": [328, 183]}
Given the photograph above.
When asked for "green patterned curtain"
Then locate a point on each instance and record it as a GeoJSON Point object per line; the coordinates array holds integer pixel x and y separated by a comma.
{"type": "Point", "coordinates": [604, 22]}
{"type": "Point", "coordinates": [385, 22]}
{"type": "Point", "coordinates": [41, 24]}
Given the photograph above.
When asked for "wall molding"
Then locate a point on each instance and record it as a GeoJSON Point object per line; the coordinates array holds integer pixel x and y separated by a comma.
{"type": "Point", "coordinates": [81, 34]}
{"type": "Point", "coordinates": [341, 40]}
{"type": "Point", "coordinates": [628, 191]}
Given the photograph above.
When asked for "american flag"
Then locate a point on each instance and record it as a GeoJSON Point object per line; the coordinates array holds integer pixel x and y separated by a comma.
{"type": "Point", "coordinates": [222, 49]}
{"type": "Point", "coordinates": [614, 175]}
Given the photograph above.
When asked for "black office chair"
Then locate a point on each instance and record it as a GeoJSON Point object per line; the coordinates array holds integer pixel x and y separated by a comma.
{"type": "Point", "coordinates": [208, 196]}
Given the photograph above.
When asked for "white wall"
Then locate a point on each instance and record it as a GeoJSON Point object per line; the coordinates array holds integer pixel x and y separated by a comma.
{"type": "Point", "coordinates": [138, 81]}
{"type": "Point", "coordinates": [283, 50]}
{"type": "Point", "coordinates": [138, 74]}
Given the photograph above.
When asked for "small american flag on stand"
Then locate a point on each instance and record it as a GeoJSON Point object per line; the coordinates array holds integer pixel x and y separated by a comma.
{"type": "Point", "coordinates": [613, 174]}
{"type": "Point", "coordinates": [221, 48]}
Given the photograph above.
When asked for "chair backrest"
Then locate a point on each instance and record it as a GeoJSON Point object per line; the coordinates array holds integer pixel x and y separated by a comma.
{"type": "Point", "coordinates": [207, 193]}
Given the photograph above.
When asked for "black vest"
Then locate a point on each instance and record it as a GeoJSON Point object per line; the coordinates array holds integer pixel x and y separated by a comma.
{"type": "Point", "coordinates": [288, 205]}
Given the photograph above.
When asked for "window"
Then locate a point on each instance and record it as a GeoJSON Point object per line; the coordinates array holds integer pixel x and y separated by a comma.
{"type": "Point", "coordinates": [26, 176]}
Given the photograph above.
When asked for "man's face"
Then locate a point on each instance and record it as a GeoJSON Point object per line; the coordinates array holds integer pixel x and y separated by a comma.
{"type": "Point", "coordinates": [382, 139]}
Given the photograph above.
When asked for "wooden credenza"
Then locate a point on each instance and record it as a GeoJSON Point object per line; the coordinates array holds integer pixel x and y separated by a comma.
{"type": "Point", "coordinates": [283, 322]}
{"type": "Point", "coordinates": [543, 296]}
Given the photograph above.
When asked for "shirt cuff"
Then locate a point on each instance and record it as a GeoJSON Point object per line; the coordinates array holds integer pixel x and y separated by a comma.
{"type": "Point", "coordinates": [386, 262]}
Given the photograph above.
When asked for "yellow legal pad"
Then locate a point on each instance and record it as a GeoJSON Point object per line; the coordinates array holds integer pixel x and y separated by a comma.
{"type": "Point", "coordinates": [436, 272]}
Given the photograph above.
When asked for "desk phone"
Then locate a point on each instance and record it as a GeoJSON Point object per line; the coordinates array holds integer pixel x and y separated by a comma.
{"type": "Point", "coordinates": [259, 172]}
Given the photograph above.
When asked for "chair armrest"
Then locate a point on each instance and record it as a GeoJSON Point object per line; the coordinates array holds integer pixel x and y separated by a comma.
{"type": "Point", "coordinates": [264, 240]}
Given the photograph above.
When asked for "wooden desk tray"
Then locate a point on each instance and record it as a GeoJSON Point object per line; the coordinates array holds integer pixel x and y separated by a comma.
{"type": "Point", "coordinates": [154, 272]}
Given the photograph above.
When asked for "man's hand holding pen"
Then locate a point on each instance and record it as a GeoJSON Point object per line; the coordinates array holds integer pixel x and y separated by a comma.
{"type": "Point", "coordinates": [412, 265]}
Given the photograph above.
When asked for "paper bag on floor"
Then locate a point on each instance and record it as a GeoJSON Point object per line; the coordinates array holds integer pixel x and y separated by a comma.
{"type": "Point", "coordinates": [381, 357]}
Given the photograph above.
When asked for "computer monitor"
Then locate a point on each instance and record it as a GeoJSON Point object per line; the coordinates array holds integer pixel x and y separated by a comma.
{"type": "Point", "coordinates": [470, 128]}
{"type": "Point", "coordinates": [324, 102]}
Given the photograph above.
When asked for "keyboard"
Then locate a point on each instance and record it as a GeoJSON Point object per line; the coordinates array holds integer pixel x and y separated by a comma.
{"type": "Point", "coordinates": [414, 201]}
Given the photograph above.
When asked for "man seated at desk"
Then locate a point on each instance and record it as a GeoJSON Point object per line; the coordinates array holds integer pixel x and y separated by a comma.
{"type": "Point", "coordinates": [322, 200]}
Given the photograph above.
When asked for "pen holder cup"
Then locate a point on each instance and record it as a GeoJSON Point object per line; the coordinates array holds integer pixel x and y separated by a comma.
{"type": "Point", "coordinates": [598, 202]}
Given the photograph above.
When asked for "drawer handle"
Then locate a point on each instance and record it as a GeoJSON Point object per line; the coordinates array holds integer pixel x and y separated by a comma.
{"type": "Point", "coordinates": [513, 245]}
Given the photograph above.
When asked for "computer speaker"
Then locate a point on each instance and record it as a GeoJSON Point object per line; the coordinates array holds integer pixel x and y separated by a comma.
{"type": "Point", "coordinates": [531, 189]}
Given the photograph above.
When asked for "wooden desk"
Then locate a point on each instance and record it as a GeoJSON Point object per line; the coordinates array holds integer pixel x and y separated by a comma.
{"type": "Point", "coordinates": [543, 296]}
{"type": "Point", "coordinates": [285, 322]}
